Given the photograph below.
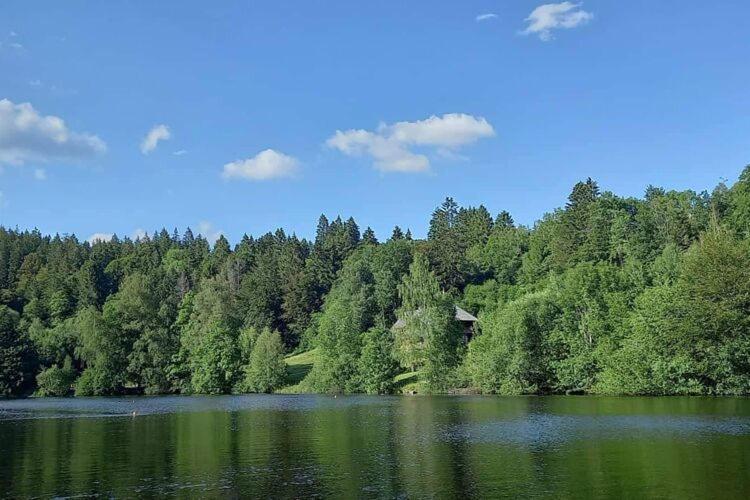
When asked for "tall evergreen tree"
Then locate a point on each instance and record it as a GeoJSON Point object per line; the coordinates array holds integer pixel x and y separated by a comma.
{"type": "Point", "coordinates": [15, 356]}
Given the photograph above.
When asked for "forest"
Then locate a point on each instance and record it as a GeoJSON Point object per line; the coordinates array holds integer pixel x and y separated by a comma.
{"type": "Point", "coordinates": [606, 295]}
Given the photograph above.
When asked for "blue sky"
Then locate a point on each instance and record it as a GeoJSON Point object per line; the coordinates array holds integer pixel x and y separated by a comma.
{"type": "Point", "coordinates": [509, 110]}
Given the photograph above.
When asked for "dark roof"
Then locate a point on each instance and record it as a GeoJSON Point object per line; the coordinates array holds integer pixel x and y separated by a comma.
{"type": "Point", "coordinates": [461, 315]}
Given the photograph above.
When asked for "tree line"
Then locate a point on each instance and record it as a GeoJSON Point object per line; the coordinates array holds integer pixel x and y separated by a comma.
{"type": "Point", "coordinates": [608, 294]}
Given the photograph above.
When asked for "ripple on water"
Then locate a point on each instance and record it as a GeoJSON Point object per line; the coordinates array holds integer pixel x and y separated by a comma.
{"type": "Point", "coordinates": [550, 430]}
{"type": "Point", "coordinates": [41, 408]}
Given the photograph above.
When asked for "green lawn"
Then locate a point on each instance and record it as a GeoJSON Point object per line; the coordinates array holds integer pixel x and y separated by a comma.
{"type": "Point", "coordinates": [299, 365]}
{"type": "Point", "coordinates": [407, 382]}
{"type": "Point", "coordinates": [297, 368]}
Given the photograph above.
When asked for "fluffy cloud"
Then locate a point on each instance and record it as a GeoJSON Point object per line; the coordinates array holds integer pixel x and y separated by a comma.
{"type": "Point", "coordinates": [139, 234]}
{"type": "Point", "coordinates": [268, 164]}
{"type": "Point", "coordinates": [388, 154]}
{"type": "Point", "coordinates": [486, 17]}
{"type": "Point", "coordinates": [548, 17]}
{"type": "Point", "coordinates": [156, 134]}
{"type": "Point", "coordinates": [99, 237]}
{"type": "Point", "coordinates": [449, 131]}
{"type": "Point", "coordinates": [25, 136]}
{"type": "Point", "coordinates": [389, 146]}
{"type": "Point", "coordinates": [208, 231]}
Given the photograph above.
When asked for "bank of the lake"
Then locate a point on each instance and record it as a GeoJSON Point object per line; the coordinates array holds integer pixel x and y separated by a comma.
{"type": "Point", "coordinates": [362, 446]}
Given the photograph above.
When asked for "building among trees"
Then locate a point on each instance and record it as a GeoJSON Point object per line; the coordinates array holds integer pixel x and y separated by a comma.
{"type": "Point", "coordinates": [466, 319]}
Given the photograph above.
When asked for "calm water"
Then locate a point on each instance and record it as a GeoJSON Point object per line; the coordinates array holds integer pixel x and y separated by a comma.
{"type": "Point", "coordinates": [402, 447]}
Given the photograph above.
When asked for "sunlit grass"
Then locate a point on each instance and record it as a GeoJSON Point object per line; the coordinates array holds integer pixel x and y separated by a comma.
{"type": "Point", "coordinates": [297, 368]}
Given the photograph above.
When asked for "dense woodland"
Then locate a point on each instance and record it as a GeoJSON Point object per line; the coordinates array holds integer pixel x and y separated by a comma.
{"type": "Point", "coordinates": [605, 295]}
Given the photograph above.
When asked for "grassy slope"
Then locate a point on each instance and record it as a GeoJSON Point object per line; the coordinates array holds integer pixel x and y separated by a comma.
{"type": "Point", "coordinates": [297, 368]}
{"type": "Point", "coordinates": [408, 382]}
{"type": "Point", "coordinates": [299, 365]}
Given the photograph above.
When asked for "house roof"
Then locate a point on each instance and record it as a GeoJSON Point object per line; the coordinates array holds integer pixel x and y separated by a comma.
{"type": "Point", "coordinates": [461, 315]}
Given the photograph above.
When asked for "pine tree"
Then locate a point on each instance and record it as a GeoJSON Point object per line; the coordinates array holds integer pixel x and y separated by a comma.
{"type": "Point", "coordinates": [15, 356]}
{"type": "Point", "coordinates": [447, 250]}
{"type": "Point", "coordinates": [368, 237]}
{"type": "Point", "coordinates": [504, 220]}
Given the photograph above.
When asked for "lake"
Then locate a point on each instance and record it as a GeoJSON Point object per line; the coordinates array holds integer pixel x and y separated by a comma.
{"type": "Point", "coordinates": [361, 446]}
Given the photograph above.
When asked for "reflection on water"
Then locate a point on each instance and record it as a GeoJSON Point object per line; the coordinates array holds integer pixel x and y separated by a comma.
{"type": "Point", "coordinates": [395, 447]}
{"type": "Point", "coordinates": [539, 430]}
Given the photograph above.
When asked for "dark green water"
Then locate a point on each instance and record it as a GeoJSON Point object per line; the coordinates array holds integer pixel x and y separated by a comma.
{"type": "Point", "coordinates": [350, 447]}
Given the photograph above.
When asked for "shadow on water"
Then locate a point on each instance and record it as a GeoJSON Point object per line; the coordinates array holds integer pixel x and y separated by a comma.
{"type": "Point", "coordinates": [358, 446]}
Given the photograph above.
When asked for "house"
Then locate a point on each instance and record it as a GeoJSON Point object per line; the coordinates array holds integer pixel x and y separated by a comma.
{"type": "Point", "coordinates": [467, 320]}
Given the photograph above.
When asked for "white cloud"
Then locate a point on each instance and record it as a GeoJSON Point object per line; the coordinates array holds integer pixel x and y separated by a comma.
{"type": "Point", "coordinates": [448, 131]}
{"type": "Point", "coordinates": [209, 232]}
{"type": "Point", "coordinates": [99, 237]}
{"type": "Point", "coordinates": [268, 164]}
{"type": "Point", "coordinates": [139, 234]}
{"type": "Point", "coordinates": [25, 135]}
{"type": "Point", "coordinates": [486, 17]}
{"type": "Point", "coordinates": [35, 83]}
{"type": "Point", "coordinates": [388, 154]}
{"type": "Point", "coordinates": [179, 152]}
{"type": "Point", "coordinates": [40, 174]}
{"type": "Point", "coordinates": [548, 17]}
{"type": "Point", "coordinates": [156, 134]}
{"type": "Point", "coordinates": [389, 145]}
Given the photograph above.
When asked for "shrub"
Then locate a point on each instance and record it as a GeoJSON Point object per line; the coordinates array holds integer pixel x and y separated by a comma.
{"type": "Point", "coordinates": [56, 381]}
{"type": "Point", "coordinates": [266, 369]}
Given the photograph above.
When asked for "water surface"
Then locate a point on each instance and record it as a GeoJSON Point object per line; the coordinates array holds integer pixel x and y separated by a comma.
{"type": "Point", "coordinates": [360, 446]}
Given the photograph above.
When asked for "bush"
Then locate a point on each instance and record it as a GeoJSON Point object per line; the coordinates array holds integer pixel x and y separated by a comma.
{"type": "Point", "coordinates": [266, 370]}
{"type": "Point", "coordinates": [56, 381]}
{"type": "Point", "coordinates": [511, 355]}
{"type": "Point", "coordinates": [377, 367]}
{"type": "Point", "coordinates": [96, 381]}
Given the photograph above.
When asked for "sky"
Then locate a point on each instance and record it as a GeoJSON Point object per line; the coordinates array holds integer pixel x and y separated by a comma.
{"type": "Point", "coordinates": [241, 117]}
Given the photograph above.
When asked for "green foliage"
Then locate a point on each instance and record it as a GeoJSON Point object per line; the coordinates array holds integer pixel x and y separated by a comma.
{"type": "Point", "coordinates": [266, 370]}
{"type": "Point", "coordinates": [377, 366]}
{"type": "Point", "coordinates": [442, 335]}
{"type": "Point", "coordinates": [446, 250]}
{"type": "Point", "coordinates": [419, 290]}
{"type": "Point", "coordinates": [428, 336]}
{"type": "Point", "coordinates": [364, 295]}
{"type": "Point", "coordinates": [139, 318]}
{"type": "Point", "coordinates": [739, 204]}
{"type": "Point", "coordinates": [593, 302]}
{"type": "Point", "coordinates": [349, 310]}
{"type": "Point", "coordinates": [512, 355]}
{"type": "Point", "coordinates": [96, 381]}
{"type": "Point", "coordinates": [209, 338]}
{"type": "Point", "coordinates": [691, 337]}
{"type": "Point", "coordinates": [103, 355]}
{"type": "Point", "coordinates": [501, 255]}
{"type": "Point", "coordinates": [56, 381]}
{"type": "Point", "coordinates": [14, 355]}
{"type": "Point", "coordinates": [606, 294]}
